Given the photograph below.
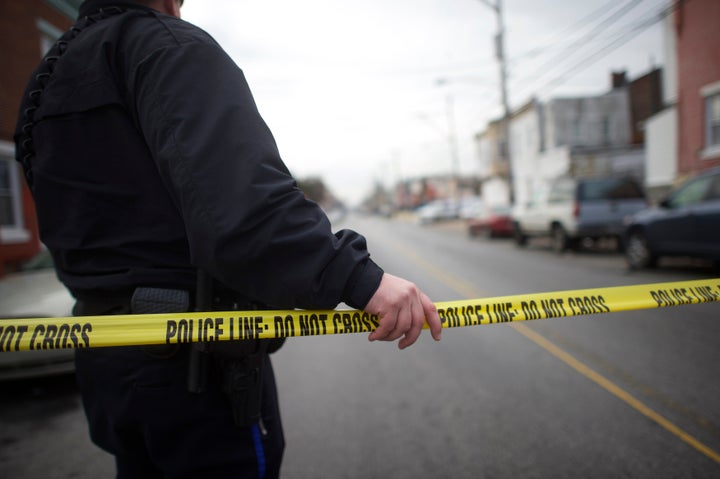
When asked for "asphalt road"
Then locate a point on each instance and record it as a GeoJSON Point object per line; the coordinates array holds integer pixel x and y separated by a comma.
{"type": "Point", "coordinates": [631, 394]}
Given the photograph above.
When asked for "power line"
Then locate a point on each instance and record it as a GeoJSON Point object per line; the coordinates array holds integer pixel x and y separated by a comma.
{"type": "Point", "coordinates": [563, 33]}
{"type": "Point", "coordinates": [575, 46]}
{"type": "Point", "coordinates": [621, 39]}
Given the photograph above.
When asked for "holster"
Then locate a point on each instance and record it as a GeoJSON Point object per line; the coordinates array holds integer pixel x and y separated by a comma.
{"type": "Point", "coordinates": [238, 364]}
{"type": "Point", "coordinates": [241, 373]}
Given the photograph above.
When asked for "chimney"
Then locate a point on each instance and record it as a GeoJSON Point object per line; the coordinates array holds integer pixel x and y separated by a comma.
{"type": "Point", "coordinates": [619, 79]}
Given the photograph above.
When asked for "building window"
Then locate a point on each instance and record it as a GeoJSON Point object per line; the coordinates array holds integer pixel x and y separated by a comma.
{"type": "Point", "coordinates": [711, 98]}
{"type": "Point", "coordinates": [576, 132]}
{"type": "Point", "coordinates": [68, 7]}
{"type": "Point", "coordinates": [11, 220]}
{"type": "Point", "coordinates": [48, 35]}
{"type": "Point", "coordinates": [712, 109]}
{"type": "Point", "coordinates": [7, 213]}
{"type": "Point", "coordinates": [605, 128]}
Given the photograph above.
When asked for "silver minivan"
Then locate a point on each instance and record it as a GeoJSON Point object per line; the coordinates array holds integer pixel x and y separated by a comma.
{"type": "Point", "coordinates": [577, 209]}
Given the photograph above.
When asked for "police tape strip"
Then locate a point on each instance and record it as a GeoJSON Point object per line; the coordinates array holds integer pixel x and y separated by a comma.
{"type": "Point", "coordinates": [170, 328]}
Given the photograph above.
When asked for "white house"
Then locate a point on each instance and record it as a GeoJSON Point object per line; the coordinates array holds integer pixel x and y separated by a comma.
{"type": "Point", "coordinates": [661, 130]}
{"type": "Point", "coordinates": [582, 136]}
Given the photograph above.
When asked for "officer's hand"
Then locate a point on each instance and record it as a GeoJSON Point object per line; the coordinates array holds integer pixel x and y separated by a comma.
{"type": "Point", "coordinates": [403, 310]}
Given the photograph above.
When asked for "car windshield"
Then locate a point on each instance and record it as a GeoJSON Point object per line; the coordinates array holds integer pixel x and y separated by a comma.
{"type": "Point", "coordinates": [42, 260]}
{"type": "Point", "coordinates": [693, 192]}
{"type": "Point", "coordinates": [561, 191]}
{"type": "Point", "coordinates": [610, 189]}
{"type": "Point", "coordinates": [34, 290]}
{"type": "Point", "coordinates": [500, 210]}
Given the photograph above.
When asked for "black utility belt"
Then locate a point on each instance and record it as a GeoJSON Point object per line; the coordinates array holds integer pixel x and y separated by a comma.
{"type": "Point", "coordinates": [151, 300]}
{"type": "Point", "coordinates": [239, 364]}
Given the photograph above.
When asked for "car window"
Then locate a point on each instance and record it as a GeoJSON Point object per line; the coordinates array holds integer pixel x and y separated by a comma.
{"type": "Point", "coordinates": [500, 209]}
{"type": "Point", "coordinates": [693, 192]}
{"type": "Point", "coordinates": [561, 192]}
{"type": "Point", "coordinates": [538, 197]}
{"type": "Point", "coordinates": [610, 189]}
{"type": "Point", "coordinates": [714, 190]}
{"type": "Point", "coordinates": [42, 260]}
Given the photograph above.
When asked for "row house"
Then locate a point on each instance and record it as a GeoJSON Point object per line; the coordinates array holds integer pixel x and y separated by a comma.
{"type": "Point", "coordinates": [684, 137]}
{"type": "Point", "coordinates": [28, 28]}
{"type": "Point", "coordinates": [580, 136]}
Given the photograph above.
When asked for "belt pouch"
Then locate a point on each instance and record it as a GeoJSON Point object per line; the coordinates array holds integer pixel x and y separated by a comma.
{"type": "Point", "coordinates": [158, 301]}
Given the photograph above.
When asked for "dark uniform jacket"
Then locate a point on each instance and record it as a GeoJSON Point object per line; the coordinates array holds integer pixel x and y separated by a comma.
{"type": "Point", "coordinates": [147, 159]}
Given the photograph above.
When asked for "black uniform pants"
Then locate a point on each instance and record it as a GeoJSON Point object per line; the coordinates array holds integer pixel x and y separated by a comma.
{"type": "Point", "coordinates": [140, 410]}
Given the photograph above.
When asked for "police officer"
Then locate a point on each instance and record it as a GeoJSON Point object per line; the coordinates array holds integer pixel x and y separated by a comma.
{"type": "Point", "coordinates": [148, 162]}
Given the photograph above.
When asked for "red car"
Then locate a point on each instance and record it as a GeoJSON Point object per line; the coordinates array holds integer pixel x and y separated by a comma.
{"type": "Point", "coordinates": [494, 222]}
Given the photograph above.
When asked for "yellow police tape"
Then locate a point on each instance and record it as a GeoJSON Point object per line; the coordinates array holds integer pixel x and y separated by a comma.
{"type": "Point", "coordinates": [170, 328]}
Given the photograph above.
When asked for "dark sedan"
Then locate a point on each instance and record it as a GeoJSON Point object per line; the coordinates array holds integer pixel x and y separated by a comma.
{"type": "Point", "coordinates": [686, 223]}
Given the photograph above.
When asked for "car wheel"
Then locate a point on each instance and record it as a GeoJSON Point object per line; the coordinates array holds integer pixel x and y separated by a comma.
{"type": "Point", "coordinates": [560, 241]}
{"type": "Point", "coordinates": [519, 236]}
{"type": "Point", "coordinates": [637, 252]}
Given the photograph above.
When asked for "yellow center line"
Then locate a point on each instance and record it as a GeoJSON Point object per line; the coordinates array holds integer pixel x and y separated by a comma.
{"type": "Point", "coordinates": [615, 390]}
{"type": "Point", "coordinates": [469, 290]}
{"type": "Point", "coordinates": [465, 288]}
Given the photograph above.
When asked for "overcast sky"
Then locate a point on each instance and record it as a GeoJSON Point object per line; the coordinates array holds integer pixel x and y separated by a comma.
{"type": "Point", "coordinates": [361, 92]}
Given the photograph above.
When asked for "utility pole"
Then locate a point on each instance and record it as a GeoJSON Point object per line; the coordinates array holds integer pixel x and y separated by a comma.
{"type": "Point", "coordinates": [505, 152]}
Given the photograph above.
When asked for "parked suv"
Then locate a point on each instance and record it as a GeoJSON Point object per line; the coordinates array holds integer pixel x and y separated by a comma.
{"type": "Point", "coordinates": [575, 209]}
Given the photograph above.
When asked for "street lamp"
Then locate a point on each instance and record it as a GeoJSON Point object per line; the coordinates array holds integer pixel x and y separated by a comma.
{"type": "Point", "coordinates": [452, 139]}
{"type": "Point", "coordinates": [451, 136]}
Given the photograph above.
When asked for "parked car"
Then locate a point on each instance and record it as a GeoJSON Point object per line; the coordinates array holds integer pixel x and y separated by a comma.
{"type": "Point", "coordinates": [471, 207]}
{"type": "Point", "coordinates": [685, 223]}
{"type": "Point", "coordinates": [493, 222]}
{"type": "Point", "coordinates": [577, 209]}
{"type": "Point", "coordinates": [437, 210]}
{"type": "Point", "coordinates": [35, 292]}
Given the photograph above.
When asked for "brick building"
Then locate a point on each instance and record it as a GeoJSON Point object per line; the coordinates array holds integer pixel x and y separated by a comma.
{"type": "Point", "coordinates": [684, 138]}
{"type": "Point", "coordinates": [27, 30]}
{"type": "Point", "coordinates": [645, 101]}
{"type": "Point", "coordinates": [696, 25]}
